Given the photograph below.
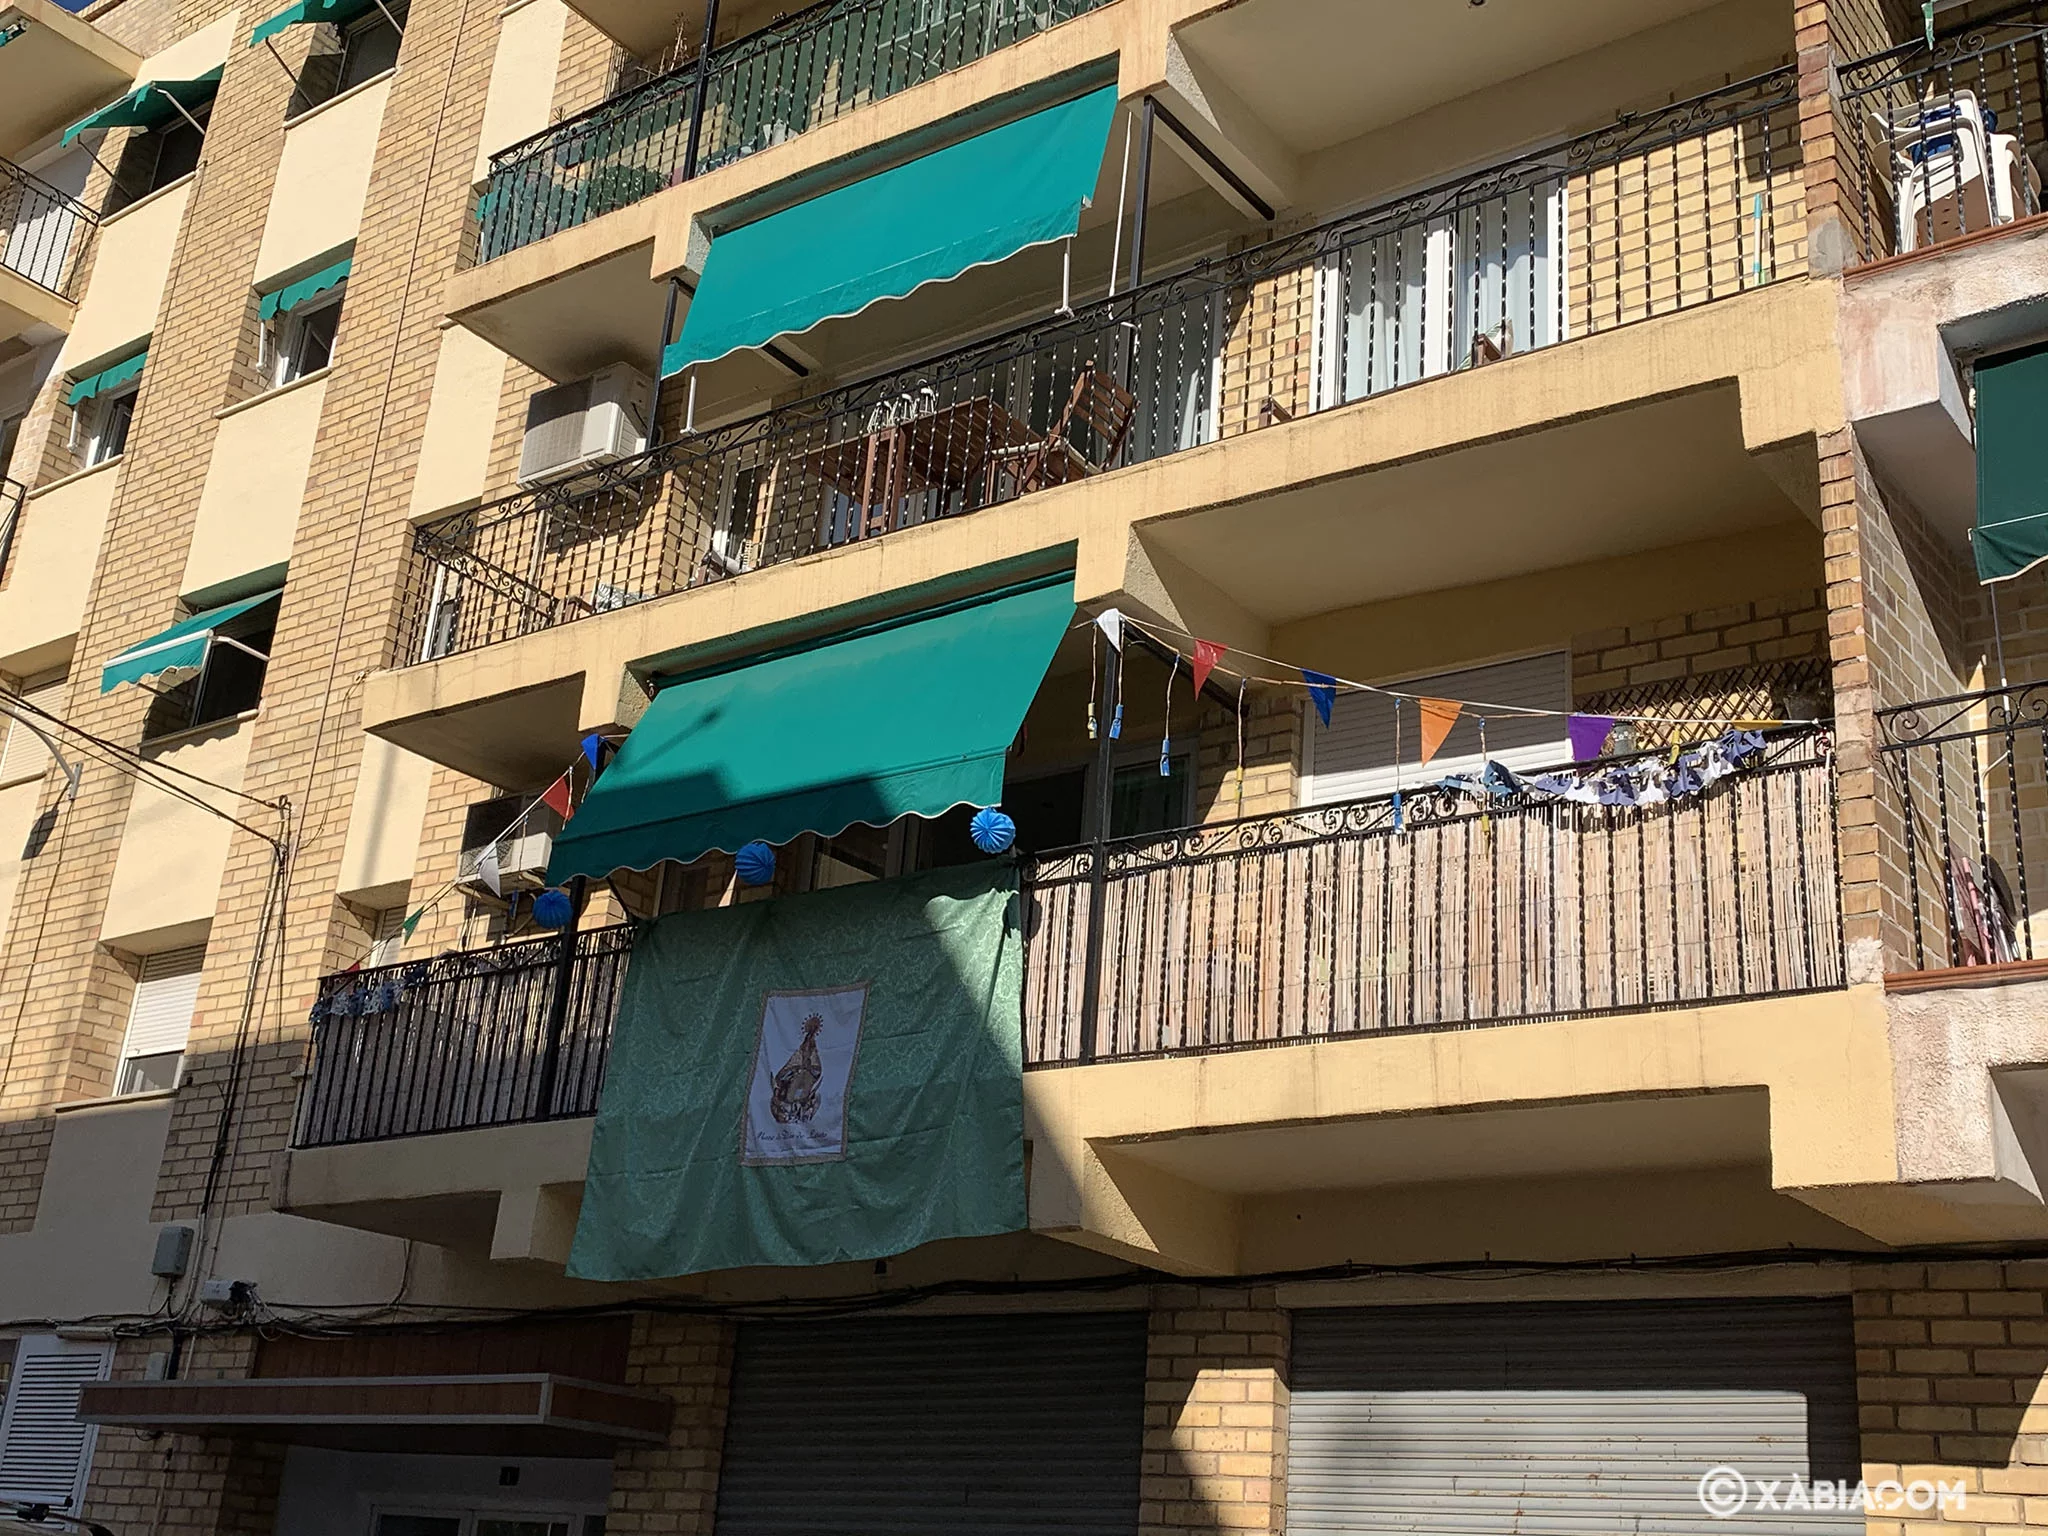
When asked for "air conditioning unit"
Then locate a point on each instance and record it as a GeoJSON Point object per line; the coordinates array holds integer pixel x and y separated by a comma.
{"type": "Point", "coordinates": [522, 855]}
{"type": "Point", "coordinates": [576, 427]}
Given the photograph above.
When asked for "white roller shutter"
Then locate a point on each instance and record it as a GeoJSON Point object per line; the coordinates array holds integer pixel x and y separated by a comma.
{"type": "Point", "coordinates": [1353, 757]}
{"type": "Point", "coordinates": [165, 995]}
{"type": "Point", "coordinates": [44, 1449]}
{"type": "Point", "coordinates": [1593, 1419]}
{"type": "Point", "coordinates": [25, 757]}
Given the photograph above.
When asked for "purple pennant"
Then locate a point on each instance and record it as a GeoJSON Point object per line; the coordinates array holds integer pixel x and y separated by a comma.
{"type": "Point", "coordinates": [1322, 690]}
{"type": "Point", "coordinates": [1588, 735]}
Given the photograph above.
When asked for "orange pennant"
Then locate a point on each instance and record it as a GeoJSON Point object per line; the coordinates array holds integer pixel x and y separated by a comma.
{"type": "Point", "coordinates": [1438, 716]}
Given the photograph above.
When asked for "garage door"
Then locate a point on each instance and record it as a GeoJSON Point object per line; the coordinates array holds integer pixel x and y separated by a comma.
{"type": "Point", "coordinates": [1566, 1418]}
{"type": "Point", "coordinates": [905, 1426]}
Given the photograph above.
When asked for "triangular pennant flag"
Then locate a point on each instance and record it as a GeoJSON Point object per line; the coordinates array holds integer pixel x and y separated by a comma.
{"type": "Point", "coordinates": [556, 797]}
{"type": "Point", "coordinates": [1438, 716]}
{"type": "Point", "coordinates": [412, 922]}
{"type": "Point", "coordinates": [1322, 690]}
{"type": "Point", "coordinates": [593, 748]}
{"type": "Point", "coordinates": [1111, 622]}
{"type": "Point", "coordinates": [487, 870]}
{"type": "Point", "coordinates": [1588, 735]}
{"type": "Point", "coordinates": [1207, 654]}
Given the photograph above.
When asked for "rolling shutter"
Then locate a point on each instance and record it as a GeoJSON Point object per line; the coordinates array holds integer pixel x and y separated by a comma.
{"type": "Point", "coordinates": [165, 995]}
{"type": "Point", "coordinates": [966, 1426]}
{"type": "Point", "coordinates": [44, 1449]}
{"type": "Point", "coordinates": [1353, 757]}
{"type": "Point", "coordinates": [25, 757]}
{"type": "Point", "coordinates": [1579, 1417]}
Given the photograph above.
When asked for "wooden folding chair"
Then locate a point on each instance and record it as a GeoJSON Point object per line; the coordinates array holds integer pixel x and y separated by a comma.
{"type": "Point", "coordinates": [1098, 403]}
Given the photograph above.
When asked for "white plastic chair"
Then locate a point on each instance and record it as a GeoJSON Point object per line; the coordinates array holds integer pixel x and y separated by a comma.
{"type": "Point", "coordinates": [1951, 172]}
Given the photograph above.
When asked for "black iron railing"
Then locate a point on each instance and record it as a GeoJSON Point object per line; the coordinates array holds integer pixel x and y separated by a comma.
{"type": "Point", "coordinates": [43, 231]}
{"type": "Point", "coordinates": [12, 495]}
{"type": "Point", "coordinates": [1950, 140]}
{"type": "Point", "coordinates": [1678, 207]}
{"type": "Point", "coordinates": [758, 92]}
{"type": "Point", "coordinates": [1965, 825]}
{"type": "Point", "coordinates": [1341, 920]}
{"type": "Point", "coordinates": [464, 1040]}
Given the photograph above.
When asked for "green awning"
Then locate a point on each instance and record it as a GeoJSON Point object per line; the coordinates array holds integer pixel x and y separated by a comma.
{"type": "Point", "coordinates": [2012, 472]}
{"type": "Point", "coordinates": [308, 13]}
{"type": "Point", "coordinates": [909, 717]}
{"type": "Point", "coordinates": [99, 383]}
{"type": "Point", "coordinates": [150, 105]}
{"type": "Point", "coordinates": [292, 295]}
{"type": "Point", "coordinates": [977, 201]}
{"type": "Point", "coordinates": [166, 659]}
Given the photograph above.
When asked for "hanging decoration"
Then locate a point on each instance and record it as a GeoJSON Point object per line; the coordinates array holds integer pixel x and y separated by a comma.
{"type": "Point", "coordinates": [488, 872]}
{"type": "Point", "coordinates": [1588, 735]}
{"type": "Point", "coordinates": [1094, 677]}
{"type": "Point", "coordinates": [1322, 692]}
{"type": "Point", "coordinates": [556, 797]}
{"type": "Point", "coordinates": [1242, 684]}
{"type": "Point", "coordinates": [1438, 716]}
{"type": "Point", "coordinates": [992, 831]}
{"type": "Point", "coordinates": [593, 750]}
{"type": "Point", "coordinates": [553, 909]}
{"type": "Point", "coordinates": [1207, 654]}
{"type": "Point", "coordinates": [1166, 736]}
{"type": "Point", "coordinates": [1111, 622]}
{"type": "Point", "coordinates": [1641, 782]}
{"type": "Point", "coordinates": [755, 864]}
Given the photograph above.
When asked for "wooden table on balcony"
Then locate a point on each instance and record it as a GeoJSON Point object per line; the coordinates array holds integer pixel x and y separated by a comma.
{"type": "Point", "coordinates": [943, 450]}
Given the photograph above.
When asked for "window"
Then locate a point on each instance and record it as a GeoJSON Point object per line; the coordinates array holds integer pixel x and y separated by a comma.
{"type": "Point", "coordinates": [153, 160]}
{"type": "Point", "coordinates": [10, 433]}
{"type": "Point", "coordinates": [25, 756]}
{"type": "Point", "coordinates": [387, 937]}
{"type": "Point", "coordinates": [305, 337]}
{"type": "Point", "coordinates": [1354, 757]}
{"type": "Point", "coordinates": [230, 681]}
{"type": "Point", "coordinates": [44, 1449]}
{"type": "Point", "coordinates": [344, 57]}
{"type": "Point", "coordinates": [159, 1020]}
{"type": "Point", "coordinates": [112, 415]}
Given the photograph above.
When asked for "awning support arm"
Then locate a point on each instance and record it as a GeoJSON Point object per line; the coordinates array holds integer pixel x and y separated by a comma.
{"type": "Point", "coordinates": [197, 126]}
{"type": "Point", "coordinates": [668, 330]}
{"type": "Point", "coordinates": [296, 86]}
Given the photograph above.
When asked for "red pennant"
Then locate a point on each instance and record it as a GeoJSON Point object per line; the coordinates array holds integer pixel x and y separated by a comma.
{"type": "Point", "coordinates": [1207, 654]}
{"type": "Point", "coordinates": [556, 797]}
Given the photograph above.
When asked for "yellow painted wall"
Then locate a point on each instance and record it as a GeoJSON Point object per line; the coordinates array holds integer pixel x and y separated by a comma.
{"type": "Point", "coordinates": [461, 417]}
{"type": "Point", "coordinates": [129, 270]}
{"type": "Point", "coordinates": [316, 205]}
{"type": "Point", "coordinates": [194, 54]}
{"type": "Point", "coordinates": [55, 552]}
{"type": "Point", "coordinates": [167, 880]}
{"type": "Point", "coordinates": [254, 486]}
{"type": "Point", "coordinates": [384, 821]}
{"type": "Point", "coordinates": [522, 77]}
{"type": "Point", "coordinates": [17, 814]}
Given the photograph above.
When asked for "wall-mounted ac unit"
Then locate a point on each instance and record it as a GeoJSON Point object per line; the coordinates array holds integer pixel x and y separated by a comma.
{"type": "Point", "coordinates": [523, 851]}
{"type": "Point", "coordinates": [576, 427]}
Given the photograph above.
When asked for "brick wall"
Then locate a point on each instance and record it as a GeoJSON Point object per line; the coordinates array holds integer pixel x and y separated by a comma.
{"type": "Point", "coordinates": [672, 1489]}
{"type": "Point", "coordinates": [1830, 33]}
{"type": "Point", "coordinates": [1272, 748]}
{"type": "Point", "coordinates": [1789, 626]}
{"type": "Point", "coordinates": [1215, 1455]}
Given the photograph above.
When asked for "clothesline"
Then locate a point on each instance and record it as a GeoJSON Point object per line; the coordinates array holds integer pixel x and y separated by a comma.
{"type": "Point", "coordinates": [1162, 632]}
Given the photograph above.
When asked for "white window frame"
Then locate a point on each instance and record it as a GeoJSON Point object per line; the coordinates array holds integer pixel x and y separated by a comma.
{"type": "Point", "coordinates": [162, 967]}
{"type": "Point", "coordinates": [102, 419]}
{"type": "Point", "coordinates": [23, 1350]}
{"type": "Point", "coordinates": [469, 1513]}
{"type": "Point", "coordinates": [284, 334]}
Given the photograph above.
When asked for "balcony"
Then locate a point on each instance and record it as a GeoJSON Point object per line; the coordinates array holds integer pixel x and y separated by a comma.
{"type": "Point", "coordinates": [1949, 140]}
{"type": "Point", "coordinates": [43, 236]}
{"type": "Point", "coordinates": [749, 95]}
{"type": "Point", "coordinates": [1371, 918]}
{"type": "Point", "coordinates": [1695, 202]}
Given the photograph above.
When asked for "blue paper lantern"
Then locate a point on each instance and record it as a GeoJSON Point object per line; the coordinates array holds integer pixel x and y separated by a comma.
{"type": "Point", "coordinates": [551, 909]}
{"type": "Point", "coordinates": [755, 863]}
{"type": "Point", "coordinates": [992, 831]}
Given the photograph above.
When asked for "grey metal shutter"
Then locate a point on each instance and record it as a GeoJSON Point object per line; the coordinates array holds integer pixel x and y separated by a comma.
{"type": "Point", "coordinates": [1566, 1417]}
{"type": "Point", "coordinates": [966, 1426]}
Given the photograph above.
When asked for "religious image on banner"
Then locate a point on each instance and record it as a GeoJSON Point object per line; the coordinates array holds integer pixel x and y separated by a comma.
{"type": "Point", "coordinates": [804, 1057]}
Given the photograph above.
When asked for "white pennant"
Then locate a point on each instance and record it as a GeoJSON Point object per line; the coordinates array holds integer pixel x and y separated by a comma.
{"type": "Point", "coordinates": [488, 872]}
{"type": "Point", "coordinates": [1111, 622]}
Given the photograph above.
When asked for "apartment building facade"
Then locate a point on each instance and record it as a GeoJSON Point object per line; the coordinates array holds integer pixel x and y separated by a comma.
{"type": "Point", "coordinates": [1485, 554]}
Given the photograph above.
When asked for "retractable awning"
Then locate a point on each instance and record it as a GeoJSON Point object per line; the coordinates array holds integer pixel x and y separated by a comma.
{"type": "Point", "coordinates": [167, 658]}
{"type": "Point", "coordinates": [309, 13]}
{"type": "Point", "coordinates": [974, 202]}
{"type": "Point", "coordinates": [2012, 475]}
{"type": "Point", "coordinates": [112, 377]}
{"type": "Point", "coordinates": [150, 105]}
{"type": "Point", "coordinates": [292, 295]}
{"type": "Point", "coordinates": [911, 716]}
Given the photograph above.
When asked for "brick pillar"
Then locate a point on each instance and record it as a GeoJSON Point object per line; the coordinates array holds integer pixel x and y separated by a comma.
{"type": "Point", "coordinates": [1215, 1412]}
{"type": "Point", "coordinates": [184, 1485]}
{"type": "Point", "coordinates": [1272, 752]}
{"type": "Point", "coordinates": [1841, 229]}
{"type": "Point", "coordinates": [673, 1488]}
{"type": "Point", "coordinates": [1949, 1362]}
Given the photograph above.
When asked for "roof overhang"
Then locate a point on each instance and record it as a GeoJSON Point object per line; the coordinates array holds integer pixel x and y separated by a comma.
{"type": "Point", "coordinates": [537, 1415]}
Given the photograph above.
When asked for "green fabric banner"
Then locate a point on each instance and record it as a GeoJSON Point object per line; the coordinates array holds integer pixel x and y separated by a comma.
{"type": "Point", "coordinates": [813, 1079]}
{"type": "Point", "coordinates": [2012, 476]}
